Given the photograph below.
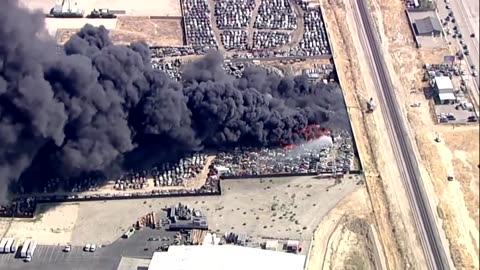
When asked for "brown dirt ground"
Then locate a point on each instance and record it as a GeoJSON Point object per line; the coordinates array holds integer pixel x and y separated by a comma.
{"type": "Point", "coordinates": [166, 32]}
{"type": "Point", "coordinates": [339, 240]}
{"type": "Point", "coordinates": [456, 202]}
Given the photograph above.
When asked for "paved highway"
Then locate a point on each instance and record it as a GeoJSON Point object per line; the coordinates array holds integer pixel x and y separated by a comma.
{"type": "Point", "coordinates": [466, 19]}
{"type": "Point", "coordinates": [428, 232]}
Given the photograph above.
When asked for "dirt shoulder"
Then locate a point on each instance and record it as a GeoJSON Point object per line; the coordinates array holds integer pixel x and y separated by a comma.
{"type": "Point", "coordinates": [454, 204]}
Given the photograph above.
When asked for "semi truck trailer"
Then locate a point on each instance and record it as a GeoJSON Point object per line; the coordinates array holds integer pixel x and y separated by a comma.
{"type": "Point", "coordinates": [23, 252]}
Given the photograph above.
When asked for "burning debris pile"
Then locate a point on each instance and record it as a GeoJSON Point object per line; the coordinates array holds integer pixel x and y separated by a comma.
{"type": "Point", "coordinates": [99, 107]}
{"type": "Point", "coordinates": [21, 207]}
{"type": "Point", "coordinates": [323, 153]}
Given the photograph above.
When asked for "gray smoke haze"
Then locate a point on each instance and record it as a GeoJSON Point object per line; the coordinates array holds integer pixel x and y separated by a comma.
{"type": "Point", "coordinates": [95, 106]}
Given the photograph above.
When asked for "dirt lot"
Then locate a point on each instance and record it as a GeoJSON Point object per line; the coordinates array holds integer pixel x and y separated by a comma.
{"type": "Point", "coordinates": [128, 29]}
{"type": "Point", "coordinates": [133, 8]}
{"type": "Point", "coordinates": [281, 208]}
{"type": "Point", "coordinates": [455, 203]}
{"type": "Point", "coordinates": [340, 239]}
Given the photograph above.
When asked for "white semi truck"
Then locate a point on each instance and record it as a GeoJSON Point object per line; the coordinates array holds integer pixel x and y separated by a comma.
{"type": "Point", "coordinates": [8, 246]}
{"type": "Point", "coordinates": [3, 243]}
{"type": "Point", "coordinates": [31, 248]}
{"type": "Point", "coordinates": [23, 252]}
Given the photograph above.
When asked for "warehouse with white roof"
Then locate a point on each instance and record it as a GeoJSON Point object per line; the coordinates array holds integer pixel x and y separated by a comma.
{"type": "Point", "coordinates": [223, 257]}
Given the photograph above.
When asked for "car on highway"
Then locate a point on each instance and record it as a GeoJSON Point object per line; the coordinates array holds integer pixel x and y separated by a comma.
{"type": "Point", "coordinates": [474, 74]}
{"type": "Point", "coordinates": [93, 247]}
{"type": "Point", "coordinates": [472, 35]}
{"type": "Point", "coordinates": [67, 248]}
{"type": "Point", "coordinates": [473, 67]}
{"type": "Point", "coordinates": [466, 52]}
{"type": "Point", "coordinates": [86, 247]}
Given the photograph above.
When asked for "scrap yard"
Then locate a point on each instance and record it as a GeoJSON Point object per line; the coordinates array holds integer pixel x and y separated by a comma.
{"type": "Point", "coordinates": [182, 134]}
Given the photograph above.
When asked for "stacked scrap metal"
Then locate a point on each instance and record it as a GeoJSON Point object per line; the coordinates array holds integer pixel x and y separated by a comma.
{"type": "Point", "coordinates": [266, 40]}
{"type": "Point", "coordinates": [314, 41]}
{"type": "Point", "coordinates": [167, 174]}
{"type": "Point", "coordinates": [234, 39]}
{"type": "Point", "coordinates": [436, 70]}
{"type": "Point", "coordinates": [198, 28]}
{"type": "Point", "coordinates": [20, 207]}
{"type": "Point", "coordinates": [319, 72]}
{"type": "Point", "coordinates": [171, 68]}
{"type": "Point", "coordinates": [132, 180]}
{"type": "Point", "coordinates": [234, 69]}
{"type": "Point", "coordinates": [174, 51]}
{"type": "Point", "coordinates": [233, 14]}
{"type": "Point", "coordinates": [276, 14]}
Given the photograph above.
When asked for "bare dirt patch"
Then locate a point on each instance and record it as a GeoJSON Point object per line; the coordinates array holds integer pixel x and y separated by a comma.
{"type": "Point", "coordinates": [340, 239]}
{"type": "Point", "coordinates": [50, 228]}
{"type": "Point", "coordinates": [454, 203]}
{"type": "Point", "coordinates": [160, 32]}
{"type": "Point", "coordinates": [289, 208]}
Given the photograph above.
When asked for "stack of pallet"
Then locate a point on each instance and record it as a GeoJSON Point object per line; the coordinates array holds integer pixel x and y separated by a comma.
{"type": "Point", "coordinates": [149, 220]}
{"type": "Point", "coordinates": [197, 236]}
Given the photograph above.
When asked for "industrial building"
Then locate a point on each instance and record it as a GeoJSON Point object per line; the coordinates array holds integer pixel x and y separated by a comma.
{"type": "Point", "coordinates": [222, 257]}
{"type": "Point", "coordinates": [428, 26]}
{"type": "Point", "coordinates": [444, 90]}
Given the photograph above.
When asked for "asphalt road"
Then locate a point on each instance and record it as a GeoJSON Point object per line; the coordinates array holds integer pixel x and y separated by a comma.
{"type": "Point", "coordinates": [466, 19]}
{"type": "Point", "coordinates": [428, 232]}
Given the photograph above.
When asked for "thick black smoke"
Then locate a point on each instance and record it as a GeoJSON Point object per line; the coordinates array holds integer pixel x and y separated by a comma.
{"type": "Point", "coordinates": [95, 106]}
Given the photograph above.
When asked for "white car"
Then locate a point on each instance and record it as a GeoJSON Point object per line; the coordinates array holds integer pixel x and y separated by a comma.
{"type": "Point", "coordinates": [28, 259]}
{"type": "Point", "coordinates": [93, 247]}
{"type": "Point", "coordinates": [67, 248]}
{"type": "Point", "coordinates": [86, 247]}
{"type": "Point", "coordinates": [474, 73]}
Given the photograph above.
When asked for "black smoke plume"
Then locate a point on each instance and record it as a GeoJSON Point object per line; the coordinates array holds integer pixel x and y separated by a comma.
{"type": "Point", "coordinates": [95, 106]}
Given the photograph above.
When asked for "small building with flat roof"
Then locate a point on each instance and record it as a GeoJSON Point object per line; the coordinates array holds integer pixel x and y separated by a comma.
{"type": "Point", "coordinates": [444, 90]}
{"type": "Point", "coordinates": [428, 26]}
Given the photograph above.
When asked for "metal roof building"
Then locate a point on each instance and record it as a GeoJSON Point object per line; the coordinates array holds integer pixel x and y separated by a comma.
{"type": "Point", "coordinates": [224, 257]}
{"type": "Point", "coordinates": [428, 26]}
{"type": "Point", "coordinates": [444, 89]}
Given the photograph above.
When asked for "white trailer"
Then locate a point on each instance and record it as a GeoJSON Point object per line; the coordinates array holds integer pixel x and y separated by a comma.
{"type": "Point", "coordinates": [31, 248]}
{"type": "Point", "coordinates": [23, 252]}
{"type": "Point", "coordinates": [13, 248]}
{"type": "Point", "coordinates": [3, 243]}
{"type": "Point", "coordinates": [8, 245]}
